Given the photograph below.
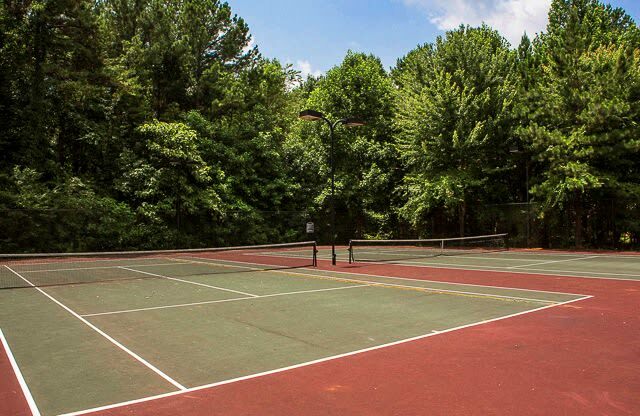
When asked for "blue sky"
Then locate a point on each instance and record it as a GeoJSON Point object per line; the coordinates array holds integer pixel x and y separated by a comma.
{"type": "Point", "coordinates": [315, 35]}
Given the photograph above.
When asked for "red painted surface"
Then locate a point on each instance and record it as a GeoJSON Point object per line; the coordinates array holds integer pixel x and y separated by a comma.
{"type": "Point", "coordinates": [12, 400]}
{"type": "Point", "coordinates": [578, 359]}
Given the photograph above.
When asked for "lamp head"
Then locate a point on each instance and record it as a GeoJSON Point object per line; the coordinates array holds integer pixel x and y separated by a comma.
{"type": "Point", "coordinates": [311, 115]}
{"type": "Point", "coordinates": [353, 122]}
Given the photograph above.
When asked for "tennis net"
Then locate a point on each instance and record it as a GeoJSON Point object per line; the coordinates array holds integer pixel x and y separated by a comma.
{"type": "Point", "coordinates": [396, 250]}
{"type": "Point", "coordinates": [54, 269]}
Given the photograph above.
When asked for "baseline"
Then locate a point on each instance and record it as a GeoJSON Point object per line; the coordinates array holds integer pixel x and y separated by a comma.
{"type": "Point", "coordinates": [554, 261]}
{"type": "Point", "coordinates": [427, 254]}
{"type": "Point", "coordinates": [476, 267]}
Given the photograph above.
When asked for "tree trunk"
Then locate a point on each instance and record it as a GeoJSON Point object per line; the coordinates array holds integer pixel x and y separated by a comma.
{"type": "Point", "coordinates": [578, 212]}
{"type": "Point", "coordinates": [462, 212]}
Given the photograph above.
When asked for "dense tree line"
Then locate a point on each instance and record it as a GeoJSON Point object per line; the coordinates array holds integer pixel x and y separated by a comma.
{"type": "Point", "coordinates": [156, 123]}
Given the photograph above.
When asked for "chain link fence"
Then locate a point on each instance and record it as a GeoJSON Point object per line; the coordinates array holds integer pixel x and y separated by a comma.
{"type": "Point", "coordinates": [605, 224]}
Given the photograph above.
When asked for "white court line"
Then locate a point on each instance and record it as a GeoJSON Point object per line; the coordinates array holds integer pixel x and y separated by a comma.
{"type": "Point", "coordinates": [553, 272]}
{"type": "Point", "coordinates": [543, 253]}
{"type": "Point", "coordinates": [552, 261]}
{"type": "Point", "coordinates": [498, 269]}
{"type": "Point", "coordinates": [180, 305]}
{"type": "Point", "coordinates": [97, 267]}
{"type": "Point", "coordinates": [372, 283]}
{"type": "Point", "coordinates": [401, 262]}
{"type": "Point", "coordinates": [190, 282]}
{"type": "Point", "coordinates": [23, 384]}
{"type": "Point", "coordinates": [555, 253]}
{"type": "Point", "coordinates": [104, 334]}
{"type": "Point", "coordinates": [387, 277]}
{"type": "Point", "coordinates": [19, 262]}
{"type": "Point", "coordinates": [465, 256]}
{"type": "Point", "coordinates": [320, 360]}
{"type": "Point", "coordinates": [463, 284]}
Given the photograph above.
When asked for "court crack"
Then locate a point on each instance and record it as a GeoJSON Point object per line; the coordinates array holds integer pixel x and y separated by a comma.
{"type": "Point", "coordinates": [278, 333]}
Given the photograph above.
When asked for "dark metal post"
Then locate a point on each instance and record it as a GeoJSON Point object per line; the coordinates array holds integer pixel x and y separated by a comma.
{"type": "Point", "coordinates": [313, 115]}
{"type": "Point", "coordinates": [333, 196]}
{"type": "Point", "coordinates": [516, 150]}
{"type": "Point", "coordinates": [528, 204]}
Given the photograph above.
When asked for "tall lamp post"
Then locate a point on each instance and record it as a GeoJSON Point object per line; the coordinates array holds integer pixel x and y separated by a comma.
{"type": "Point", "coordinates": [312, 115]}
{"type": "Point", "coordinates": [516, 150]}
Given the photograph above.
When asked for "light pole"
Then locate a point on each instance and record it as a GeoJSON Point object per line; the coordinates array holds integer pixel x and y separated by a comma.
{"type": "Point", "coordinates": [516, 150]}
{"type": "Point", "coordinates": [312, 115]}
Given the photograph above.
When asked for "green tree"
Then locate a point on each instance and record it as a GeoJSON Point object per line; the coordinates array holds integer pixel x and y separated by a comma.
{"type": "Point", "coordinates": [582, 126]}
{"type": "Point", "coordinates": [365, 157]}
{"type": "Point", "coordinates": [246, 139]}
{"type": "Point", "coordinates": [167, 175]}
{"type": "Point", "coordinates": [178, 52]}
{"type": "Point", "coordinates": [54, 86]}
{"type": "Point", "coordinates": [454, 121]}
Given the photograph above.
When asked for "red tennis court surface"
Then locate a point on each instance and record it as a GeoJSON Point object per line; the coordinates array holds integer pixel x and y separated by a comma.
{"type": "Point", "coordinates": [579, 358]}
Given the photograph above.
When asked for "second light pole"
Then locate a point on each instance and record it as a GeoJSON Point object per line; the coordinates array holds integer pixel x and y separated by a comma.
{"type": "Point", "coordinates": [516, 150]}
{"type": "Point", "coordinates": [312, 115]}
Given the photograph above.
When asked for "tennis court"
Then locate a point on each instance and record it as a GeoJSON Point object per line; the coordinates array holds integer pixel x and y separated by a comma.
{"type": "Point", "coordinates": [99, 333]}
{"type": "Point", "coordinates": [92, 332]}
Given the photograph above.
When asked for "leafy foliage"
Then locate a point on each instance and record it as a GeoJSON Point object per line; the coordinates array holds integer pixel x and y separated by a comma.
{"type": "Point", "coordinates": [131, 124]}
{"type": "Point", "coordinates": [454, 121]}
{"type": "Point", "coordinates": [583, 127]}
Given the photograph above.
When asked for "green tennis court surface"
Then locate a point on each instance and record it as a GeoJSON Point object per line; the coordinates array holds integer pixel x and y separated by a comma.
{"type": "Point", "coordinates": [146, 327]}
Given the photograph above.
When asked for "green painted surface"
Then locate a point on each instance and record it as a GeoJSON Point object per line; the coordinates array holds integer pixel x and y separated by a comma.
{"type": "Point", "coordinates": [228, 340]}
{"type": "Point", "coordinates": [66, 365]}
{"type": "Point", "coordinates": [133, 294]}
{"type": "Point", "coordinates": [261, 282]}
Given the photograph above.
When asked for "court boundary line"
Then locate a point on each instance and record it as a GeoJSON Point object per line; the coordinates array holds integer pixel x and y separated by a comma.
{"type": "Point", "coordinates": [556, 273]}
{"type": "Point", "coordinates": [554, 261]}
{"type": "Point", "coordinates": [426, 289]}
{"type": "Point", "coordinates": [451, 266]}
{"type": "Point", "coordinates": [180, 305]}
{"type": "Point", "coordinates": [475, 267]}
{"type": "Point", "coordinates": [21, 381]}
{"type": "Point", "coordinates": [466, 256]}
{"type": "Point", "coordinates": [440, 254]}
{"type": "Point", "coordinates": [551, 252]}
{"type": "Point", "coordinates": [104, 334]}
{"type": "Point", "coordinates": [82, 260]}
{"type": "Point", "coordinates": [318, 361]}
{"type": "Point", "coordinates": [190, 282]}
{"type": "Point", "coordinates": [96, 268]}
{"type": "Point", "coordinates": [479, 268]}
{"type": "Point", "coordinates": [388, 277]}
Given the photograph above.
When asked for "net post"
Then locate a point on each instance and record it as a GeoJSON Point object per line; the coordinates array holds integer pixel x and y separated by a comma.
{"type": "Point", "coordinates": [350, 251]}
{"type": "Point", "coordinates": [315, 254]}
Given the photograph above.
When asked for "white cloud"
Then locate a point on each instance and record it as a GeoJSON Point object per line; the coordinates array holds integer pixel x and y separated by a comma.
{"type": "Point", "coordinates": [306, 69]}
{"type": "Point", "coordinates": [510, 17]}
